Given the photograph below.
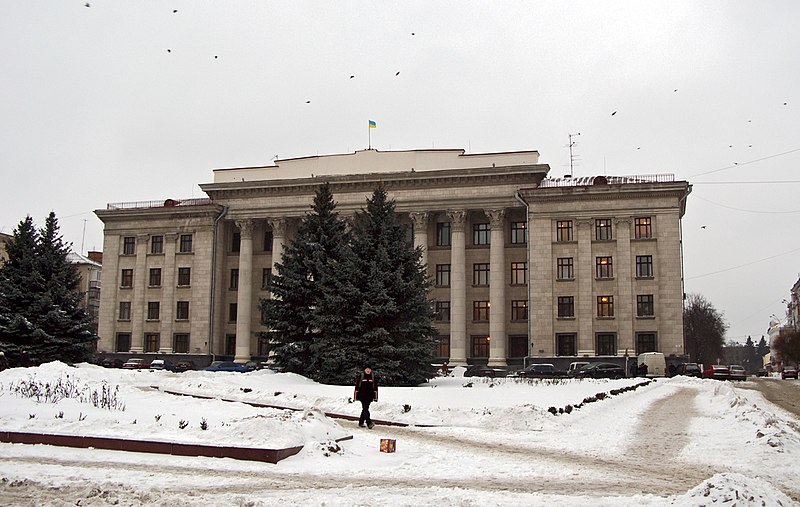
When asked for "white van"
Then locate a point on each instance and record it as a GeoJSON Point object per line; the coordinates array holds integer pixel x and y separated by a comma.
{"type": "Point", "coordinates": [656, 364]}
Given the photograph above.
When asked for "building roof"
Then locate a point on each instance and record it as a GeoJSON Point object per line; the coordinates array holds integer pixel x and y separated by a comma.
{"type": "Point", "coordinates": [76, 258]}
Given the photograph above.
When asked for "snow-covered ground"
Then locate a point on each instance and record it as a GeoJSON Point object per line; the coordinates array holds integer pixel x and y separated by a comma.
{"type": "Point", "coordinates": [676, 441]}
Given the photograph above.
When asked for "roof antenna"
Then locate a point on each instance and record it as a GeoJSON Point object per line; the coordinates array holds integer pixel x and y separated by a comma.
{"type": "Point", "coordinates": [571, 157]}
{"type": "Point", "coordinates": [83, 238]}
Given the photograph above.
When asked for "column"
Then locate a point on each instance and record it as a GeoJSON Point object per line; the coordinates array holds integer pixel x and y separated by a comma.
{"type": "Point", "coordinates": [168, 303]}
{"type": "Point", "coordinates": [586, 303]}
{"type": "Point", "coordinates": [625, 309]}
{"type": "Point", "coordinates": [139, 306]}
{"type": "Point", "coordinates": [278, 226]}
{"type": "Point", "coordinates": [244, 297]}
{"type": "Point", "coordinates": [497, 289]}
{"type": "Point", "coordinates": [458, 289]}
{"type": "Point", "coordinates": [420, 221]}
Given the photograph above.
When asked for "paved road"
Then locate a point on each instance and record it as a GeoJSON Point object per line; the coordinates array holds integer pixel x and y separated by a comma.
{"type": "Point", "coordinates": [784, 393]}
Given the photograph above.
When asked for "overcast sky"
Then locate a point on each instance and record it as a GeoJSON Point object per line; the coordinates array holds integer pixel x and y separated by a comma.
{"type": "Point", "coordinates": [128, 101]}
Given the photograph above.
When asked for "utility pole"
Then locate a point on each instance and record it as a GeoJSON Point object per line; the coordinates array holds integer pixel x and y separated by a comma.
{"type": "Point", "coordinates": [571, 157]}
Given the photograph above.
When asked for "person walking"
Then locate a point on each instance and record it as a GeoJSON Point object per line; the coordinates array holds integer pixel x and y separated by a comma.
{"type": "Point", "coordinates": [366, 392]}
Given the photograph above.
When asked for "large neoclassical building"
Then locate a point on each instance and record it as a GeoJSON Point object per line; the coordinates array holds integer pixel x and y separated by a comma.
{"type": "Point", "coordinates": [522, 264]}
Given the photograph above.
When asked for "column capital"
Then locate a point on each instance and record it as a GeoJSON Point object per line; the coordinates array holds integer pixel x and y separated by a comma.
{"type": "Point", "coordinates": [495, 217]}
{"type": "Point", "coordinates": [171, 236]}
{"type": "Point", "coordinates": [419, 219]}
{"type": "Point", "coordinates": [142, 238]}
{"type": "Point", "coordinates": [246, 228]}
{"type": "Point", "coordinates": [278, 226]}
{"type": "Point", "coordinates": [457, 219]}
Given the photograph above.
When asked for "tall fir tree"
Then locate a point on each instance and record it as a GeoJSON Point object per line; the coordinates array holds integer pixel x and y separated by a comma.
{"type": "Point", "coordinates": [762, 348]}
{"type": "Point", "coordinates": [40, 308]}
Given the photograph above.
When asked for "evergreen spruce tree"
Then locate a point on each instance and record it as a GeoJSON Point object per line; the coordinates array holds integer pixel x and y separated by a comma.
{"type": "Point", "coordinates": [751, 359]}
{"type": "Point", "coordinates": [762, 348]}
{"type": "Point", "coordinates": [39, 300]}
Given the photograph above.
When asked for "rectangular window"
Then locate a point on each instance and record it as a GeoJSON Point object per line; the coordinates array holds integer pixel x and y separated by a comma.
{"type": "Point", "coordinates": [644, 266]}
{"type": "Point", "coordinates": [566, 344]}
{"type": "Point", "coordinates": [519, 309]}
{"type": "Point", "coordinates": [602, 229]}
{"type": "Point", "coordinates": [564, 230]}
{"type": "Point", "coordinates": [232, 312]}
{"type": "Point", "coordinates": [124, 310]}
{"type": "Point", "coordinates": [481, 234]}
{"type": "Point", "coordinates": [443, 275]}
{"type": "Point", "coordinates": [606, 344]}
{"type": "Point", "coordinates": [566, 307]}
{"type": "Point", "coordinates": [645, 342]}
{"type": "Point", "coordinates": [184, 277]}
{"type": "Point", "coordinates": [152, 342]}
{"type": "Point", "coordinates": [517, 345]}
{"type": "Point", "coordinates": [605, 306]}
{"type": "Point", "coordinates": [480, 310]}
{"type": "Point", "coordinates": [519, 273]}
{"type": "Point", "coordinates": [642, 228]}
{"type": "Point", "coordinates": [264, 341]}
{"type": "Point", "coordinates": [153, 310]}
{"type": "Point", "coordinates": [180, 343]}
{"type": "Point", "coordinates": [443, 311]}
{"type": "Point", "coordinates": [480, 274]}
{"type": "Point", "coordinates": [236, 242]}
{"type": "Point", "coordinates": [185, 243]}
{"type": "Point", "coordinates": [266, 278]}
{"type": "Point", "coordinates": [230, 344]}
{"type": "Point", "coordinates": [268, 241]}
{"type": "Point", "coordinates": [156, 244]}
{"type": "Point", "coordinates": [127, 278]}
{"type": "Point", "coordinates": [604, 267]}
{"type": "Point", "coordinates": [234, 279]}
{"type": "Point", "coordinates": [519, 233]}
{"type": "Point", "coordinates": [480, 346]}
{"type": "Point", "coordinates": [565, 269]}
{"type": "Point", "coordinates": [443, 233]}
{"type": "Point", "coordinates": [182, 311]}
{"type": "Point", "coordinates": [129, 245]}
{"type": "Point", "coordinates": [123, 342]}
{"type": "Point", "coordinates": [644, 305]}
{"type": "Point", "coordinates": [443, 346]}
{"type": "Point", "coordinates": [155, 277]}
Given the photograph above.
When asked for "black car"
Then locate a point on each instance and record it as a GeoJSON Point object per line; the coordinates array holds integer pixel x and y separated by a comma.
{"type": "Point", "coordinates": [541, 370]}
{"type": "Point", "coordinates": [689, 370]}
{"type": "Point", "coordinates": [600, 370]}
{"type": "Point", "coordinates": [182, 366]}
{"type": "Point", "coordinates": [110, 362]}
{"type": "Point", "coordinates": [481, 370]}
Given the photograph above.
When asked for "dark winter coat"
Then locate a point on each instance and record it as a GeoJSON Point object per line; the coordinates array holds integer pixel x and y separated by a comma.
{"type": "Point", "coordinates": [366, 388]}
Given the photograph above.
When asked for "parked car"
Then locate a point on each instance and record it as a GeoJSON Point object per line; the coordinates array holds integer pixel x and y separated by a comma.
{"type": "Point", "coordinates": [737, 372]}
{"type": "Point", "coordinates": [541, 370]}
{"type": "Point", "coordinates": [226, 366]}
{"type": "Point", "coordinates": [182, 366]}
{"type": "Point", "coordinates": [716, 371]}
{"type": "Point", "coordinates": [162, 364]}
{"type": "Point", "coordinates": [575, 366]}
{"type": "Point", "coordinates": [135, 363]}
{"type": "Point", "coordinates": [111, 362]}
{"type": "Point", "coordinates": [689, 370]}
{"type": "Point", "coordinates": [762, 372]}
{"type": "Point", "coordinates": [481, 370]}
{"type": "Point", "coordinates": [600, 370]}
{"type": "Point", "coordinates": [789, 373]}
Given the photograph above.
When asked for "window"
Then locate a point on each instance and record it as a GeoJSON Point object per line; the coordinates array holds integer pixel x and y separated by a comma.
{"type": "Point", "coordinates": [564, 230]}
{"type": "Point", "coordinates": [519, 273]}
{"type": "Point", "coordinates": [564, 268]}
{"type": "Point", "coordinates": [443, 346]}
{"type": "Point", "coordinates": [184, 277]}
{"type": "Point", "coordinates": [481, 234]}
{"type": "Point", "coordinates": [443, 233]}
{"type": "Point", "coordinates": [480, 274]}
{"type": "Point", "coordinates": [127, 278]}
{"type": "Point", "coordinates": [566, 344]}
{"type": "Point", "coordinates": [129, 245]}
{"type": "Point", "coordinates": [264, 341]}
{"type": "Point", "coordinates": [566, 307]}
{"type": "Point", "coordinates": [480, 346]}
{"type": "Point", "coordinates": [186, 243]}
{"type": "Point", "coordinates": [602, 229]}
{"type": "Point", "coordinates": [519, 233]}
{"type": "Point", "coordinates": [182, 311]}
{"type": "Point", "coordinates": [644, 305]}
{"type": "Point", "coordinates": [157, 244]}
{"type": "Point", "coordinates": [123, 342]}
{"type": "Point", "coordinates": [519, 309]}
{"type": "Point", "coordinates": [606, 344]}
{"type": "Point", "coordinates": [604, 267]}
{"type": "Point", "coordinates": [236, 242]}
{"type": "Point", "coordinates": [155, 277]}
{"type": "Point", "coordinates": [645, 342]}
{"type": "Point", "coordinates": [153, 310]}
{"type": "Point", "coordinates": [152, 342]}
{"type": "Point", "coordinates": [517, 345]}
{"type": "Point", "coordinates": [180, 343]}
{"type": "Point", "coordinates": [124, 310]}
{"type": "Point", "coordinates": [234, 279]}
{"type": "Point", "coordinates": [443, 311]}
{"type": "Point", "coordinates": [443, 275]}
{"type": "Point", "coordinates": [605, 306]}
{"type": "Point", "coordinates": [230, 344]}
{"type": "Point", "coordinates": [268, 241]}
{"type": "Point", "coordinates": [266, 278]}
{"type": "Point", "coordinates": [644, 266]}
{"type": "Point", "coordinates": [232, 312]}
{"type": "Point", "coordinates": [642, 228]}
{"type": "Point", "coordinates": [480, 310]}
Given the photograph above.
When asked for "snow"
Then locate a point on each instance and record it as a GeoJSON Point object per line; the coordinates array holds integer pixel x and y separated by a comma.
{"type": "Point", "coordinates": [485, 442]}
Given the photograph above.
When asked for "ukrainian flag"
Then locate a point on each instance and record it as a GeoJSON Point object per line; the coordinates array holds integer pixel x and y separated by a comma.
{"type": "Point", "coordinates": [372, 125]}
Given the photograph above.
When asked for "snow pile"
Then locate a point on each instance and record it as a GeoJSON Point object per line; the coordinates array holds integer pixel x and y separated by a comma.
{"type": "Point", "coordinates": [734, 489]}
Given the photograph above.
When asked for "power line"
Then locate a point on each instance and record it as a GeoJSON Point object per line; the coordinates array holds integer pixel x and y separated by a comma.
{"type": "Point", "coordinates": [742, 265]}
{"type": "Point", "coordinates": [743, 182]}
{"type": "Point", "coordinates": [745, 163]}
{"type": "Point", "coordinates": [746, 210]}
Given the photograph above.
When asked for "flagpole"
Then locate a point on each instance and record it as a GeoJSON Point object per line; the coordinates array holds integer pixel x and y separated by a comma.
{"type": "Point", "coordinates": [369, 137]}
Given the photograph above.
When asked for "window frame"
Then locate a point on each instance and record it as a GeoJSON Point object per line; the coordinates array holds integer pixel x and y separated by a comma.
{"type": "Point", "coordinates": [184, 276]}
{"type": "Point", "coordinates": [442, 272]}
{"type": "Point", "coordinates": [154, 279]}
{"type": "Point", "coordinates": [124, 311]}
{"type": "Point", "coordinates": [519, 233]}
{"type": "Point", "coordinates": [182, 310]}
{"type": "Point", "coordinates": [481, 234]}
{"type": "Point", "coordinates": [605, 307]}
{"type": "Point", "coordinates": [644, 266]}
{"type": "Point", "coordinates": [564, 231]}
{"type": "Point", "coordinates": [605, 344]}
{"type": "Point", "coordinates": [566, 341]}
{"type": "Point", "coordinates": [639, 341]}
{"type": "Point", "coordinates": [180, 343]}
{"type": "Point", "coordinates": [442, 311]}
{"type": "Point", "coordinates": [480, 346]}
{"type": "Point", "coordinates": [152, 342]}
{"type": "Point", "coordinates": [266, 278]}
{"type": "Point", "coordinates": [565, 307]}
{"type": "Point", "coordinates": [185, 243]}
{"type": "Point", "coordinates": [480, 311]}
{"type": "Point", "coordinates": [519, 310]}
{"type": "Point", "coordinates": [126, 278]}
{"type": "Point", "coordinates": [157, 245]}
{"type": "Point", "coordinates": [129, 245]}
{"type": "Point", "coordinates": [234, 279]}
{"type": "Point", "coordinates": [643, 227]}
{"type": "Point", "coordinates": [121, 339]}
{"type": "Point", "coordinates": [481, 274]}
{"type": "Point", "coordinates": [565, 267]}
{"type": "Point", "coordinates": [444, 233]}
{"type": "Point", "coordinates": [519, 270]}
{"type": "Point", "coordinates": [645, 302]}
{"type": "Point", "coordinates": [154, 310]}
{"type": "Point", "coordinates": [603, 229]}
{"type": "Point", "coordinates": [604, 267]}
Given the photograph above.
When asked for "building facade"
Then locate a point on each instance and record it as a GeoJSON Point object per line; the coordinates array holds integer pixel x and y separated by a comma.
{"type": "Point", "coordinates": [521, 264]}
{"type": "Point", "coordinates": [90, 269]}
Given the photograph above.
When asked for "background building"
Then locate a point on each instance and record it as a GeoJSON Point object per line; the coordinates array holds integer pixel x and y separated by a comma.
{"type": "Point", "coordinates": [522, 264]}
{"type": "Point", "coordinates": [90, 269]}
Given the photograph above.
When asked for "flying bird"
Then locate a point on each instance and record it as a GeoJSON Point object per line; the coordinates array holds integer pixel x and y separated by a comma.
{"type": "Point", "coordinates": [702, 226]}
{"type": "Point", "coordinates": [87, 4]}
{"type": "Point", "coordinates": [169, 51]}
{"type": "Point", "coordinates": [351, 77]}
{"type": "Point", "coordinates": [412, 33]}
{"type": "Point", "coordinates": [612, 114]}
{"type": "Point", "coordinates": [398, 73]}
{"type": "Point", "coordinates": [174, 11]}
{"type": "Point", "coordinates": [308, 102]}
{"type": "Point", "coordinates": [215, 57]}
{"type": "Point", "coordinates": [675, 90]}
{"type": "Point", "coordinates": [783, 103]}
